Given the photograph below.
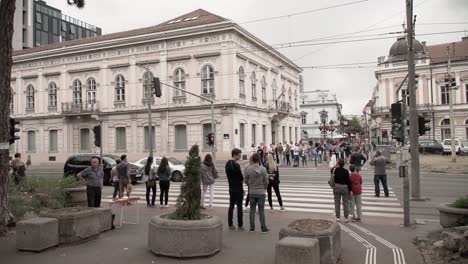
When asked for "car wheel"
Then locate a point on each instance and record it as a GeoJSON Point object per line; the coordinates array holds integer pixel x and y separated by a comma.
{"type": "Point", "coordinates": [176, 176]}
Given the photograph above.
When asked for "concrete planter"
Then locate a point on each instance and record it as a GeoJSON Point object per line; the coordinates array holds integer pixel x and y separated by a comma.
{"type": "Point", "coordinates": [179, 238]}
{"type": "Point", "coordinates": [75, 197]}
{"type": "Point", "coordinates": [451, 216]}
{"type": "Point", "coordinates": [80, 223]}
{"type": "Point", "coordinates": [329, 238]}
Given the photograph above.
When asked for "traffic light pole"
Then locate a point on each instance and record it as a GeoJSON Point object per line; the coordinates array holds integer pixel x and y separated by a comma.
{"type": "Point", "coordinates": [452, 119]}
{"type": "Point", "coordinates": [100, 139]}
{"type": "Point", "coordinates": [149, 96]}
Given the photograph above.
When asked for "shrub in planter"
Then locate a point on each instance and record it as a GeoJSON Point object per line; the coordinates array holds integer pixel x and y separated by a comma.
{"type": "Point", "coordinates": [187, 232]}
{"type": "Point", "coordinates": [462, 202]}
{"type": "Point", "coordinates": [455, 214]}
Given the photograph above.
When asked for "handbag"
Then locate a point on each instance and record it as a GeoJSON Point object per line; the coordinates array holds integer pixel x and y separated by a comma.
{"type": "Point", "coordinates": [151, 183]}
{"type": "Point", "coordinates": [331, 181]}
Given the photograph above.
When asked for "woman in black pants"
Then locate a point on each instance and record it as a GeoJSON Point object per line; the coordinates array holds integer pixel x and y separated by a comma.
{"type": "Point", "coordinates": [273, 181]}
{"type": "Point", "coordinates": [287, 154]}
{"type": "Point", "coordinates": [164, 174]}
{"type": "Point", "coordinates": [150, 181]}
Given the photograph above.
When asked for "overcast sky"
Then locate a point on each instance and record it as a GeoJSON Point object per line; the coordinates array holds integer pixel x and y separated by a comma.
{"type": "Point", "coordinates": [352, 85]}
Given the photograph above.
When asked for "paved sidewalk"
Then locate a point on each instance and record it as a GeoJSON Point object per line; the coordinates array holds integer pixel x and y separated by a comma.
{"type": "Point", "coordinates": [129, 244]}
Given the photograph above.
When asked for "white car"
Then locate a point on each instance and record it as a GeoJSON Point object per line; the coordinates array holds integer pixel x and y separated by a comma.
{"type": "Point", "coordinates": [177, 167]}
{"type": "Point", "coordinates": [448, 147]}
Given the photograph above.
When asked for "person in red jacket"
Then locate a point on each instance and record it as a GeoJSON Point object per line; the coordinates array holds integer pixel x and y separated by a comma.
{"type": "Point", "coordinates": [356, 190]}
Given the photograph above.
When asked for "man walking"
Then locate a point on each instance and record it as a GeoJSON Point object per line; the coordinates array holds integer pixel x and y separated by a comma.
{"type": "Point", "coordinates": [357, 159]}
{"type": "Point", "coordinates": [92, 177]}
{"type": "Point", "coordinates": [257, 181]}
{"type": "Point", "coordinates": [123, 173]}
{"type": "Point", "coordinates": [236, 189]}
{"type": "Point", "coordinates": [380, 175]}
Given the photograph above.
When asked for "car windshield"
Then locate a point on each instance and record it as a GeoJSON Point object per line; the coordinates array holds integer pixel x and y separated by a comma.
{"type": "Point", "coordinates": [447, 142]}
{"type": "Point", "coordinates": [110, 161]}
{"type": "Point", "coordinates": [175, 161]}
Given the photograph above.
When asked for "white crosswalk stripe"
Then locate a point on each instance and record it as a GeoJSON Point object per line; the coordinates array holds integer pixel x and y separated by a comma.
{"type": "Point", "coordinates": [300, 197]}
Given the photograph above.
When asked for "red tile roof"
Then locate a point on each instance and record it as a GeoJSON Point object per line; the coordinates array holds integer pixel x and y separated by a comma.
{"type": "Point", "coordinates": [458, 51]}
{"type": "Point", "coordinates": [197, 18]}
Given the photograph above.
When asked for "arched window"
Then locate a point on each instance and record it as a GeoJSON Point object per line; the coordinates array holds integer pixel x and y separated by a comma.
{"type": "Point", "coordinates": [445, 128]}
{"type": "Point", "coordinates": [147, 82]}
{"type": "Point", "coordinates": [253, 79]}
{"type": "Point", "coordinates": [241, 81]}
{"type": "Point", "coordinates": [91, 91]}
{"type": "Point", "coordinates": [77, 92]}
{"type": "Point", "coordinates": [264, 85]}
{"type": "Point", "coordinates": [179, 81]}
{"type": "Point", "coordinates": [207, 78]}
{"type": "Point", "coordinates": [120, 88]}
{"type": "Point", "coordinates": [52, 95]}
{"type": "Point", "coordinates": [30, 98]}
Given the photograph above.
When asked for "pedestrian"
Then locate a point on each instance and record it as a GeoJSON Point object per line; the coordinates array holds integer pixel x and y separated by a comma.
{"type": "Point", "coordinates": [357, 159]}
{"type": "Point", "coordinates": [92, 177]}
{"type": "Point", "coordinates": [209, 176]}
{"type": "Point", "coordinates": [236, 189]}
{"type": "Point", "coordinates": [356, 191]}
{"type": "Point", "coordinates": [320, 152]}
{"type": "Point", "coordinates": [303, 155]}
{"type": "Point", "coordinates": [164, 174]}
{"type": "Point", "coordinates": [150, 182]}
{"type": "Point", "coordinates": [296, 151]}
{"type": "Point", "coordinates": [279, 155]}
{"type": "Point", "coordinates": [260, 152]}
{"type": "Point", "coordinates": [380, 175]}
{"type": "Point", "coordinates": [287, 154]}
{"type": "Point", "coordinates": [123, 173]}
{"type": "Point", "coordinates": [273, 181]}
{"type": "Point", "coordinates": [247, 200]}
{"type": "Point", "coordinates": [341, 190]}
{"type": "Point", "coordinates": [115, 179]}
{"type": "Point", "coordinates": [332, 163]}
{"type": "Point", "coordinates": [19, 168]}
{"type": "Point", "coordinates": [256, 180]}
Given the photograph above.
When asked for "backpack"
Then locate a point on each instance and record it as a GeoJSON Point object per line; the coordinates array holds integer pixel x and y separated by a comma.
{"type": "Point", "coordinates": [331, 181]}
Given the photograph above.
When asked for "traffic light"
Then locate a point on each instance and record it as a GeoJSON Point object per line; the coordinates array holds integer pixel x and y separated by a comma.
{"type": "Point", "coordinates": [396, 121]}
{"type": "Point", "coordinates": [13, 130]}
{"type": "Point", "coordinates": [212, 138]}
{"type": "Point", "coordinates": [422, 127]}
{"type": "Point", "coordinates": [97, 135]}
{"type": "Point", "coordinates": [156, 87]}
{"type": "Point", "coordinates": [453, 82]}
{"type": "Point", "coordinates": [416, 79]}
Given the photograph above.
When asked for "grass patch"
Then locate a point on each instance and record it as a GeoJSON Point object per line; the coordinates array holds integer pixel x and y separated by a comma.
{"type": "Point", "coordinates": [462, 202]}
{"type": "Point", "coordinates": [38, 193]}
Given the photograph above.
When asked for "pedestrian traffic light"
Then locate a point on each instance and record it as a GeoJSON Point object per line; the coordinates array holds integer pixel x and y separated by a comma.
{"type": "Point", "coordinates": [13, 130]}
{"type": "Point", "coordinates": [396, 121]}
{"type": "Point", "coordinates": [156, 87]}
{"type": "Point", "coordinates": [453, 82]}
{"type": "Point", "coordinates": [210, 139]}
{"type": "Point", "coordinates": [416, 79]}
{"type": "Point", "coordinates": [97, 135]}
{"type": "Point", "coordinates": [423, 125]}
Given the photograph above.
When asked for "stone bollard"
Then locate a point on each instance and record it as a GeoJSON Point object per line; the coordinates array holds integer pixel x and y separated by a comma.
{"type": "Point", "coordinates": [37, 234]}
{"type": "Point", "coordinates": [297, 250]}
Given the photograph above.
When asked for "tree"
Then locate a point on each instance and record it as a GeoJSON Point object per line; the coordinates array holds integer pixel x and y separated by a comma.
{"type": "Point", "coordinates": [356, 127]}
{"type": "Point", "coordinates": [188, 202]}
{"type": "Point", "coordinates": [7, 12]}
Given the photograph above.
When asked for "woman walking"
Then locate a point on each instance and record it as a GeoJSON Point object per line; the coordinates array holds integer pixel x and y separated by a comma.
{"type": "Point", "coordinates": [164, 174]}
{"type": "Point", "coordinates": [287, 153]}
{"type": "Point", "coordinates": [150, 182]}
{"type": "Point", "coordinates": [273, 181]}
{"type": "Point", "coordinates": [341, 189]}
{"type": "Point", "coordinates": [115, 180]}
{"type": "Point", "coordinates": [209, 175]}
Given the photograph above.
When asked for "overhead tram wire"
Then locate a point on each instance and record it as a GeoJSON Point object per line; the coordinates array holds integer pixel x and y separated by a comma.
{"type": "Point", "coordinates": [302, 13]}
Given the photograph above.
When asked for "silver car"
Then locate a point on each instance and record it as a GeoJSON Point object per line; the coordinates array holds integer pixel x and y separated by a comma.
{"type": "Point", "coordinates": [177, 167]}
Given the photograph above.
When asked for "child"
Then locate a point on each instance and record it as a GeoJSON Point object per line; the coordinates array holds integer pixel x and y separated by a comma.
{"type": "Point", "coordinates": [356, 189]}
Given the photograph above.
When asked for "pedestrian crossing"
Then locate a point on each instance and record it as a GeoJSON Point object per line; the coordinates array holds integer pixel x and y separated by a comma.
{"type": "Point", "coordinates": [310, 196]}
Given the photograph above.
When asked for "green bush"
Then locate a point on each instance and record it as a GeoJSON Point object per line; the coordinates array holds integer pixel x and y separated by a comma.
{"type": "Point", "coordinates": [462, 202]}
{"type": "Point", "coordinates": [37, 193]}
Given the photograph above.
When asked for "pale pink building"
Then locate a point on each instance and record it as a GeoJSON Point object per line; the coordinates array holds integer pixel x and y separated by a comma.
{"type": "Point", "coordinates": [432, 97]}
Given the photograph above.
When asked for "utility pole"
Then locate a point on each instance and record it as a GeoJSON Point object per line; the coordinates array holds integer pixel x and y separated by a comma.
{"type": "Point", "coordinates": [413, 114]}
{"type": "Point", "coordinates": [149, 97]}
{"type": "Point", "coordinates": [451, 99]}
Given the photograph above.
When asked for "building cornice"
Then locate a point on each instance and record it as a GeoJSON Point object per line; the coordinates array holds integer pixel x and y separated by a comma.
{"type": "Point", "coordinates": [84, 70]}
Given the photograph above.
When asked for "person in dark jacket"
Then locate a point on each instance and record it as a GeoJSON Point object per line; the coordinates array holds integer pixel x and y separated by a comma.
{"type": "Point", "coordinates": [273, 181]}
{"type": "Point", "coordinates": [164, 174]}
{"type": "Point", "coordinates": [357, 159]}
{"type": "Point", "coordinates": [209, 175]}
{"type": "Point", "coordinates": [341, 189]}
{"type": "Point", "coordinates": [236, 189]}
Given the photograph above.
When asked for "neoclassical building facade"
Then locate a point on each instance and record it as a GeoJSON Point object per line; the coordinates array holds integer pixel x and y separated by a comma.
{"type": "Point", "coordinates": [61, 91]}
{"type": "Point", "coordinates": [432, 96]}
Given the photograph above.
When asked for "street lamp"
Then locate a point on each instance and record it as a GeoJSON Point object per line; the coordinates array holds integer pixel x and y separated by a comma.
{"type": "Point", "coordinates": [324, 118]}
{"type": "Point", "coordinates": [331, 128]}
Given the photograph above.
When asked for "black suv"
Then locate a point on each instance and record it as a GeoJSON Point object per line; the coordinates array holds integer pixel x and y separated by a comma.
{"type": "Point", "coordinates": [78, 163]}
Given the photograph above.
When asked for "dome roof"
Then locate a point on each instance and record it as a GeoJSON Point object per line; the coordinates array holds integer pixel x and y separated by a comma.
{"type": "Point", "coordinates": [399, 49]}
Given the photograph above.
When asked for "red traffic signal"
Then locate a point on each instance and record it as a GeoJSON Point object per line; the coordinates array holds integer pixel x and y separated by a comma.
{"type": "Point", "coordinates": [210, 139]}
{"type": "Point", "coordinates": [13, 130]}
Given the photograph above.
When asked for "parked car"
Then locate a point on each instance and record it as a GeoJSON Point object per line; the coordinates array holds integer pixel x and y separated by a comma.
{"type": "Point", "coordinates": [430, 146]}
{"type": "Point", "coordinates": [177, 167]}
{"type": "Point", "coordinates": [78, 163]}
{"type": "Point", "coordinates": [448, 148]}
{"type": "Point", "coordinates": [464, 148]}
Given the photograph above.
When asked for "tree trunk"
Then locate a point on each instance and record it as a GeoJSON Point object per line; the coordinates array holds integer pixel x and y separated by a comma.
{"type": "Point", "coordinates": [7, 12]}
